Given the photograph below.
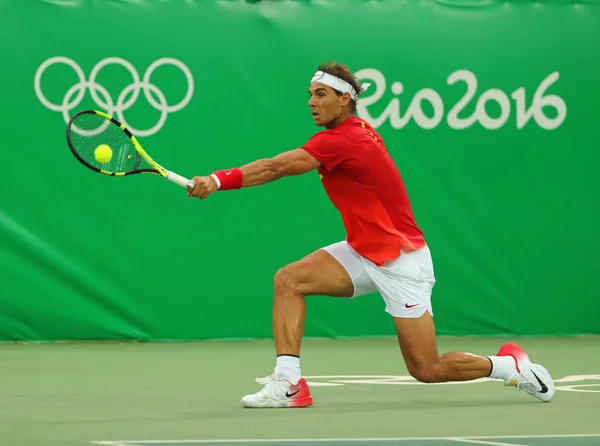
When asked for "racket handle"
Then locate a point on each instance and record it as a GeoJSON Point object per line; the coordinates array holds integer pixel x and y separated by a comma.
{"type": "Point", "coordinates": [178, 179]}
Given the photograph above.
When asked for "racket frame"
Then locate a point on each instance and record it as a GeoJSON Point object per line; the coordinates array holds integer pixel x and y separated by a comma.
{"type": "Point", "coordinates": [155, 168]}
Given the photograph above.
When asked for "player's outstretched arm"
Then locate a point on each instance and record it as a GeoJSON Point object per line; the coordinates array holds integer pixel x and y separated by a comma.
{"type": "Point", "coordinates": [293, 162]}
{"type": "Point", "coordinates": [256, 173]}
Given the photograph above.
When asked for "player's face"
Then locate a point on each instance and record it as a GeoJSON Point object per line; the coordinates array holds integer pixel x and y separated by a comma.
{"type": "Point", "coordinates": [326, 106]}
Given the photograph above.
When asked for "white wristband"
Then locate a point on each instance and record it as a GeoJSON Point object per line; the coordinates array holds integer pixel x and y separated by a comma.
{"type": "Point", "coordinates": [216, 180]}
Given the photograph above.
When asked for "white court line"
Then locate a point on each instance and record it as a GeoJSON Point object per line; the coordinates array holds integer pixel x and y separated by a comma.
{"type": "Point", "coordinates": [493, 443]}
{"type": "Point", "coordinates": [331, 440]}
{"type": "Point", "coordinates": [115, 443]}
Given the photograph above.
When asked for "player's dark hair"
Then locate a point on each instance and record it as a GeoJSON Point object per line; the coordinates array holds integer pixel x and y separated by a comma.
{"type": "Point", "coordinates": [343, 72]}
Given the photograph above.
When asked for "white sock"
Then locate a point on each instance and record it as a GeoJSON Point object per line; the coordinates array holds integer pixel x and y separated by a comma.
{"type": "Point", "coordinates": [502, 366]}
{"type": "Point", "coordinates": [288, 368]}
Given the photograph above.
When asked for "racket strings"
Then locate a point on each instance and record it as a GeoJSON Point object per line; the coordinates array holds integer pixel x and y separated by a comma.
{"type": "Point", "coordinates": [91, 131]}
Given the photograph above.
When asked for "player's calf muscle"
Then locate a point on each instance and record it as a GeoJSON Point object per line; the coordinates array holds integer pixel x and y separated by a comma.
{"type": "Point", "coordinates": [418, 345]}
{"type": "Point", "coordinates": [454, 366]}
{"type": "Point", "coordinates": [463, 366]}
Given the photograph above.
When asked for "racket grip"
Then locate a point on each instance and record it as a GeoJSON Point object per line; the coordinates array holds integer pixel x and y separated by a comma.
{"type": "Point", "coordinates": [178, 179]}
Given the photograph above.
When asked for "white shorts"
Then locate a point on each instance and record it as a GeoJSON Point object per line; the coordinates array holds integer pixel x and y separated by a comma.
{"type": "Point", "coordinates": [405, 283]}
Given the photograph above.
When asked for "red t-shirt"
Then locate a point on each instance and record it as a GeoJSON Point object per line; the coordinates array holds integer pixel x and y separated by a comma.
{"type": "Point", "coordinates": [364, 184]}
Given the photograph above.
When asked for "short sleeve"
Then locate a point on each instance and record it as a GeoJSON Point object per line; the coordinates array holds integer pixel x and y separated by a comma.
{"type": "Point", "coordinates": [327, 148]}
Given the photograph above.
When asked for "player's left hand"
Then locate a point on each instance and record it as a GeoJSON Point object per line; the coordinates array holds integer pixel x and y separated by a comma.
{"type": "Point", "coordinates": [203, 188]}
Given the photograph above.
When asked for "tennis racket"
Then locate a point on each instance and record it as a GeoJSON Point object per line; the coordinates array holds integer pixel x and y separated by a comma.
{"type": "Point", "coordinates": [106, 146]}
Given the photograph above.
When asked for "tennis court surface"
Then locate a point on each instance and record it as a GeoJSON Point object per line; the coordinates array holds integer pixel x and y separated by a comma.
{"type": "Point", "coordinates": [186, 394]}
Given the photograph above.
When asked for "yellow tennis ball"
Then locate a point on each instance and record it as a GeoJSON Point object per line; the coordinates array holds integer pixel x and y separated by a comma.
{"type": "Point", "coordinates": [103, 153]}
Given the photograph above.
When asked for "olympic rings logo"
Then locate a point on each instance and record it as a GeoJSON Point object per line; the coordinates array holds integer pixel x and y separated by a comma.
{"type": "Point", "coordinates": [74, 95]}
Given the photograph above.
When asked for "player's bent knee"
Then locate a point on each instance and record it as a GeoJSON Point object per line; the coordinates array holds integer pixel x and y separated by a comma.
{"type": "Point", "coordinates": [425, 373]}
{"type": "Point", "coordinates": [285, 278]}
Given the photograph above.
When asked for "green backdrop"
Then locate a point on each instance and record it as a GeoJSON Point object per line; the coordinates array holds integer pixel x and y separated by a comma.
{"type": "Point", "coordinates": [488, 107]}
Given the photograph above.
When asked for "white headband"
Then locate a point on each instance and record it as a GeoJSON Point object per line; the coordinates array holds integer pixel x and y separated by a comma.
{"type": "Point", "coordinates": [337, 83]}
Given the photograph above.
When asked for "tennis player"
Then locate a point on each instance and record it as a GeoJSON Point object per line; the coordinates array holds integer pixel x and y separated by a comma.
{"type": "Point", "coordinates": [384, 251]}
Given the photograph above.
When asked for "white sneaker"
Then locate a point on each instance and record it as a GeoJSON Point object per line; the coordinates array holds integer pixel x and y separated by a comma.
{"type": "Point", "coordinates": [532, 378]}
{"type": "Point", "coordinates": [280, 393]}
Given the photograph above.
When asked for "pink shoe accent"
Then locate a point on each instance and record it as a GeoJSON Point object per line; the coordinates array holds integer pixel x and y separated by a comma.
{"type": "Point", "coordinates": [512, 349]}
{"type": "Point", "coordinates": [301, 394]}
